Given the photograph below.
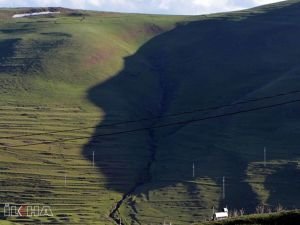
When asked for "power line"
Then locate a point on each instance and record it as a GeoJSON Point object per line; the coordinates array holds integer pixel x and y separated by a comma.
{"type": "Point", "coordinates": [158, 117]}
{"type": "Point", "coordinates": [164, 125]}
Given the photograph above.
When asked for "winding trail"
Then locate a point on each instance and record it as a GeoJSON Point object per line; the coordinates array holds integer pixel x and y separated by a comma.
{"type": "Point", "coordinates": [145, 176]}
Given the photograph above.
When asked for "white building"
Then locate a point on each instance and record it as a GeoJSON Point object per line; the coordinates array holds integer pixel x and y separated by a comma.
{"type": "Point", "coordinates": [221, 215]}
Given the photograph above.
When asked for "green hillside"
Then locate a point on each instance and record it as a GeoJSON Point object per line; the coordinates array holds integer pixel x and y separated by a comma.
{"type": "Point", "coordinates": [78, 69]}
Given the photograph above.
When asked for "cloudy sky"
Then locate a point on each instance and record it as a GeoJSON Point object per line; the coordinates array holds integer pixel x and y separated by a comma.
{"type": "Point", "coordinates": [144, 6]}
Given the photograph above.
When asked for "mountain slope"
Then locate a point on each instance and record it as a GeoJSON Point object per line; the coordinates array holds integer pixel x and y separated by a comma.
{"type": "Point", "coordinates": [47, 65]}
{"type": "Point", "coordinates": [221, 59]}
{"type": "Point", "coordinates": [82, 69]}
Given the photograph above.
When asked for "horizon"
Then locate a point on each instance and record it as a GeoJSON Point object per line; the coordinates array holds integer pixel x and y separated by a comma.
{"type": "Point", "coordinates": [160, 7]}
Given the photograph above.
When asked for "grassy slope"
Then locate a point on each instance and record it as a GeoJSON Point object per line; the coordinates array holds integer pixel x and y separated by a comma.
{"type": "Point", "coordinates": [47, 66]}
{"type": "Point", "coordinates": [219, 59]}
{"type": "Point", "coordinates": [70, 63]}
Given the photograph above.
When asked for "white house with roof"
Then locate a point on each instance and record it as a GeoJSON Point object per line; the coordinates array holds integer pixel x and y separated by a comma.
{"type": "Point", "coordinates": [221, 215]}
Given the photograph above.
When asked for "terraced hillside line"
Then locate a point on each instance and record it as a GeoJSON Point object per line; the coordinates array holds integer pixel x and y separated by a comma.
{"type": "Point", "coordinates": [146, 176]}
{"type": "Point", "coordinates": [37, 175]}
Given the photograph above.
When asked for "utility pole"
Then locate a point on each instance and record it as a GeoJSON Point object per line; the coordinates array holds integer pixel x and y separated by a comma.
{"type": "Point", "coordinates": [93, 159]}
{"type": "Point", "coordinates": [223, 188]}
{"type": "Point", "coordinates": [265, 156]}
{"type": "Point", "coordinates": [193, 170]}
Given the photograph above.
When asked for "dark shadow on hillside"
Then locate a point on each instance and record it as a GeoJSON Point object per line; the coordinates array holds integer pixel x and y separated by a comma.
{"type": "Point", "coordinates": [198, 64]}
{"type": "Point", "coordinates": [18, 56]}
{"type": "Point", "coordinates": [284, 183]}
{"type": "Point", "coordinates": [7, 50]}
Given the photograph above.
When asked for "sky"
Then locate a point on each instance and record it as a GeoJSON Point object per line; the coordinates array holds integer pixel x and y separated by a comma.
{"type": "Point", "coordinates": [182, 7]}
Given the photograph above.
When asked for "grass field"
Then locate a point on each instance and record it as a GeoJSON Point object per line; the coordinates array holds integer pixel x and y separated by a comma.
{"type": "Point", "coordinates": [89, 69]}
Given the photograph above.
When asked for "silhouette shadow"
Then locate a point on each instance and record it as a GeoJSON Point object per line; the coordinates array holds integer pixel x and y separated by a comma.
{"type": "Point", "coordinates": [280, 185]}
{"type": "Point", "coordinates": [198, 64]}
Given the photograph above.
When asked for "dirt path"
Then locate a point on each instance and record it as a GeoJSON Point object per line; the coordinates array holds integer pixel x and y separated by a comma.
{"type": "Point", "coordinates": [145, 176]}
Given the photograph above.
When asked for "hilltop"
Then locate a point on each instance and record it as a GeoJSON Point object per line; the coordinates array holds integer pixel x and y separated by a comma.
{"type": "Point", "coordinates": [84, 69]}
